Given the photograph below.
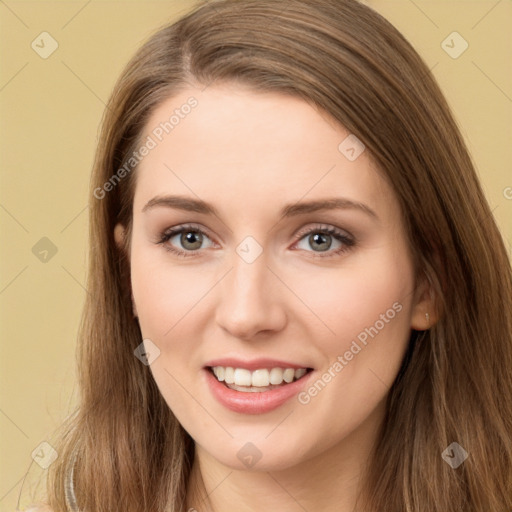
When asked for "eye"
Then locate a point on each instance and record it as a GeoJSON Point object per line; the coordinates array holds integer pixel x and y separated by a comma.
{"type": "Point", "coordinates": [190, 238]}
{"type": "Point", "coordinates": [325, 239]}
{"type": "Point", "coordinates": [185, 241]}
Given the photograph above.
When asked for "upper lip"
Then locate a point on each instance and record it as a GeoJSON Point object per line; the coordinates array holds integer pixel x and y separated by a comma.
{"type": "Point", "coordinates": [254, 364]}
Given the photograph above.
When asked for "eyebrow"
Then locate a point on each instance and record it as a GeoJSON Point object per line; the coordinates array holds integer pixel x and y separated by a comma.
{"type": "Point", "coordinates": [290, 210]}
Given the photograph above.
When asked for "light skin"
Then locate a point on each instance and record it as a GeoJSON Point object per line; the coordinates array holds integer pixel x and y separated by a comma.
{"type": "Point", "coordinates": [249, 154]}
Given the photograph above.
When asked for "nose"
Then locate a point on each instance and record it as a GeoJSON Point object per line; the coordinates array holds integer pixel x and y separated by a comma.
{"type": "Point", "coordinates": [251, 301]}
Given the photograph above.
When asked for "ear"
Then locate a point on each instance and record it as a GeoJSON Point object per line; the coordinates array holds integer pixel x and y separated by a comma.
{"type": "Point", "coordinates": [119, 233]}
{"type": "Point", "coordinates": [424, 312]}
{"type": "Point", "coordinates": [119, 237]}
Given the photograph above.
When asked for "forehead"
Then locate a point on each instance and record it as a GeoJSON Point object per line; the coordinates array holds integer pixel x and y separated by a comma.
{"type": "Point", "coordinates": [232, 146]}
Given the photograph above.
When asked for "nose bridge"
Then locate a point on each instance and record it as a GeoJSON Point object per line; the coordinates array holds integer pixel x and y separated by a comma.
{"type": "Point", "coordinates": [250, 301]}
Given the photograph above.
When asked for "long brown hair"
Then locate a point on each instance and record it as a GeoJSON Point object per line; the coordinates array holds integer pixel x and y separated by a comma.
{"type": "Point", "coordinates": [125, 448]}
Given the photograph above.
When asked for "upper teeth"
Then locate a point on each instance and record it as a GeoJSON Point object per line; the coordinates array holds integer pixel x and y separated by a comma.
{"type": "Point", "coordinates": [263, 377]}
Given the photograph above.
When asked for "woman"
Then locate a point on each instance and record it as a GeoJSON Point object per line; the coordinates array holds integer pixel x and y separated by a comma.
{"type": "Point", "coordinates": [299, 298]}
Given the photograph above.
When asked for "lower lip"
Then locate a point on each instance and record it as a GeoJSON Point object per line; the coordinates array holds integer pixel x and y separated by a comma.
{"type": "Point", "coordinates": [254, 402]}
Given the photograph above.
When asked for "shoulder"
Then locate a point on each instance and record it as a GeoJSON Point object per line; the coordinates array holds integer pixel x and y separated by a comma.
{"type": "Point", "coordinates": [39, 508]}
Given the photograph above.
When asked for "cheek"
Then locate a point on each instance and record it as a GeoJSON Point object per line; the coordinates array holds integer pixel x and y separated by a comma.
{"type": "Point", "coordinates": [365, 311]}
{"type": "Point", "coordinates": [368, 307]}
{"type": "Point", "coordinates": [164, 293]}
{"type": "Point", "coordinates": [168, 299]}
{"type": "Point", "coordinates": [373, 292]}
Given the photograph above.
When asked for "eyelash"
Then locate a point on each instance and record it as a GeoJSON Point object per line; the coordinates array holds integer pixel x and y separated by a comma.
{"type": "Point", "coordinates": [347, 241]}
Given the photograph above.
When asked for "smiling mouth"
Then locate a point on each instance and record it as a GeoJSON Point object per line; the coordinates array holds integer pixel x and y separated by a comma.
{"type": "Point", "coordinates": [257, 381]}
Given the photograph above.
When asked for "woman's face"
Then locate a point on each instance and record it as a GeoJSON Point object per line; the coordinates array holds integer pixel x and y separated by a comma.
{"type": "Point", "coordinates": [292, 255]}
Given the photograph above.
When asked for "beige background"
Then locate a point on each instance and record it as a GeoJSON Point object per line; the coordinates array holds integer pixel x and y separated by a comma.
{"type": "Point", "coordinates": [50, 113]}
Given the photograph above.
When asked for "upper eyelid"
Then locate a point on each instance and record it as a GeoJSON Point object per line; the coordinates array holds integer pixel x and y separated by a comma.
{"type": "Point", "coordinates": [184, 227]}
{"type": "Point", "coordinates": [323, 227]}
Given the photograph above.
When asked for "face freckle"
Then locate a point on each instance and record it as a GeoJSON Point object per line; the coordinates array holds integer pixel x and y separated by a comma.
{"type": "Point", "coordinates": [235, 176]}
